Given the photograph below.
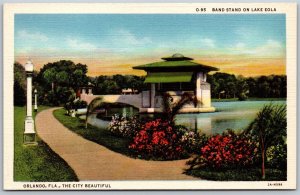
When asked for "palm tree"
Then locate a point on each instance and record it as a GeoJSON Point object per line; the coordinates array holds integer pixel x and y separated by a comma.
{"type": "Point", "coordinates": [171, 110]}
{"type": "Point", "coordinates": [91, 107]}
{"type": "Point", "coordinates": [268, 127]}
{"type": "Point", "coordinates": [50, 76]}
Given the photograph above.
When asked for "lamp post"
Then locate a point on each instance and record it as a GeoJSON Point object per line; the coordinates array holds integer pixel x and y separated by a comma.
{"type": "Point", "coordinates": [35, 100]}
{"type": "Point", "coordinates": [29, 133]}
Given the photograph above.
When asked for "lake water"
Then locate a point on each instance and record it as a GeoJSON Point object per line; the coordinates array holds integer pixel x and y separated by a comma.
{"type": "Point", "coordinates": [229, 115]}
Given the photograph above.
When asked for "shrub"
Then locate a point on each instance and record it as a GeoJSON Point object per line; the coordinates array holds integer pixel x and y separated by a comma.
{"type": "Point", "coordinates": [242, 96]}
{"type": "Point", "coordinates": [158, 139]}
{"type": "Point", "coordinates": [228, 150]}
{"type": "Point", "coordinates": [79, 104]}
{"type": "Point", "coordinates": [277, 156]}
{"type": "Point", "coordinates": [124, 127]}
{"type": "Point", "coordinates": [75, 104]}
{"type": "Point", "coordinates": [192, 141]}
{"type": "Point", "coordinates": [268, 128]}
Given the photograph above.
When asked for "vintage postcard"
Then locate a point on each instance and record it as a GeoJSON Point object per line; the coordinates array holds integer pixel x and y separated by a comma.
{"type": "Point", "coordinates": [149, 96]}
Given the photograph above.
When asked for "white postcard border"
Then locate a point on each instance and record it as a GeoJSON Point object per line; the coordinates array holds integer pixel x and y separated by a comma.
{"type": "Point", "coordinates": [290, 9]}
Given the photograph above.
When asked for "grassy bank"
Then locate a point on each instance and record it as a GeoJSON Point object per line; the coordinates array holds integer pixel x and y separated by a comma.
{"type": "Point", "coordinates": [249, 99]}
{"type": "Point", "coordinates": [98, 135]}
{"type": "Point", "coordinates": [36, 163]}
{"type": "Point", "coordinates": [252, 174]}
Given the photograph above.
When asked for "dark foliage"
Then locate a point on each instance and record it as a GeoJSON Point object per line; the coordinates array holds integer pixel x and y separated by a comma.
{"type": "Point", "coordinates": [59, 80]}
{"type": "Point", "coordinates": [269, 128]}
{"type": "Point", "coordinates": [19, 94]}
{"type": "Point", "coordinates": [225, 85]}
{"type": "Point", "coordinates": [19, 85]}
{"type": "Point", "coordinates": [114, 84]}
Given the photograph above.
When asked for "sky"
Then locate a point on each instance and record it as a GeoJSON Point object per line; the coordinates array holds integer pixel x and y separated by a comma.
{"type": "Point", "coordinates": [244, 44]}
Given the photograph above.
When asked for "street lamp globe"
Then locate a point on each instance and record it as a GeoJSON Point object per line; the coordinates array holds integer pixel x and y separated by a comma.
{"type": "Point", "coordinates": [29, 66]}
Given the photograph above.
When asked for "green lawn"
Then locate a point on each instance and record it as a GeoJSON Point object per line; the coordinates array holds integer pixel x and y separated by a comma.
{"type": "Point", "coordinates": [251, 174]}
{"type": "Point", "coordinates": [36, 163]}
{"type": "Point", "coordinates": [98, 135]}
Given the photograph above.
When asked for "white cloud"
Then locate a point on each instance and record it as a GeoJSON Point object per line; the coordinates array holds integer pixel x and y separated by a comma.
{"type": "Point", "coordinates": [79, 45]}
{"type": "Point", "coordinates": [273, 44]}
{"type": "Point", "coordinates": [240, 45]}
{"type": "Point", "coordinates": [207, 42]}
{"type": "Point", "coordinates": [271, 47]}
{"type": "Point", "coordinates": [246, 33]}
{"type": "Point", "coordinates": [52, 49]}
{"type": "Point", "coordinates": [37, 36]}
{"type": "Point", "coordinates": [129, 38]}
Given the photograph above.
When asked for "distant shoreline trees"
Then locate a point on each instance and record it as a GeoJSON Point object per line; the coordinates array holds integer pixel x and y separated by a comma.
{"type": "Point", "coordinates": [115, 83]}
{"type": "Point", "coordinates": [58, 81]}
{"type": "Point", "coordinates": [225, 85]}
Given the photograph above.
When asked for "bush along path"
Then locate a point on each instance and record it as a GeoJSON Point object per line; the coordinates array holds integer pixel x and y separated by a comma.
{"type": "Point", "coordinates": [91, 161]}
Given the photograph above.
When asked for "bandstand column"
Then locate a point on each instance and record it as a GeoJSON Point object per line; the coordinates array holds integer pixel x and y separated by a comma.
{"type": "Point", "coordinates": [152, 97]}
{"type": "Point", "coordinates": [198, 88]}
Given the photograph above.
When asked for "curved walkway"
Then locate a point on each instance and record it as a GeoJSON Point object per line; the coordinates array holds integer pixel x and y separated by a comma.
{"type": "Point", "coordinates": [91, 161]}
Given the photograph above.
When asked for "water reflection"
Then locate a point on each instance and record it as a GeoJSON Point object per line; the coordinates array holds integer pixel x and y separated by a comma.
{"type": "Point", "coordinates": [203, 124]}
{"type": "Point", "coordinates": [229, 115]}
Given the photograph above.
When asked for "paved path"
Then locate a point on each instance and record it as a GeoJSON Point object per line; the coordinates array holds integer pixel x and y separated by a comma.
{"type": "Point", "coordinates": [91, 161]}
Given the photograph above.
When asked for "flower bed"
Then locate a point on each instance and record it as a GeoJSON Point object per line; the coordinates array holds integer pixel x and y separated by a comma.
{"type": "Point", "coordinates": [124, 127]}
{"type": "Point", "coordinates": [158, 139]}
{"type": "Point", "coordinates": [227, 151]}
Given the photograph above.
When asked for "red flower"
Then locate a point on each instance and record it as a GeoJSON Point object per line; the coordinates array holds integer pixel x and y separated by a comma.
{"type": "Point", "coordinates": [227, 150]}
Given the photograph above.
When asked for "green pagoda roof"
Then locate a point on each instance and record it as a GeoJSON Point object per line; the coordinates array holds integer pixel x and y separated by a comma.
{"type": "Point", "coordinates": [177, 62]}
{"type": "Point", "coordinates": [168, 77]}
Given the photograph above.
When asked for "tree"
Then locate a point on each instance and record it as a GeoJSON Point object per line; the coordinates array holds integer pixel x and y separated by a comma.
{"type": "Point", "coordinates": [110, 87]}
{"type": "Point", "coordinates": [120, 80]}
{"type": "Point", "coordinates": [19, 94]}
{"type": "Point", "coordinates": [114, 84]}
{"type": "Point", "coordinates": [225, 84]}
{"type": "Point", "coordinates": [283, 86]}
{"type": "Point", "coordinates": [62, 77]}
{"type": "Point", "coordinates": [252, 85]}
{"type": "Point", "coordinates": [170, 110]}
{"type": "Point", "coordinates": [269, 127]}
{"type": "Point", "coordinates": [138, 83]}
{"type": "Point", "coordinates": [50, 76]}
{"type": "Point", "coordinates": [19, 73]}
{"type": "Point", "coordinates": [214, 86]}
{"type": "Point", "coordinates": [19, 84]}
{"type": "Point", "coordinates": [78, 77]}
{"type": "Point", "coordinates": [242, 88]}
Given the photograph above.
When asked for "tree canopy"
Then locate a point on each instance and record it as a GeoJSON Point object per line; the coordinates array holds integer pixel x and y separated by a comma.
{"type": "Point", "coordinates": [64, 73]}
{"type": "Point", "coordinates": [225, 85]}
{"type": "Point", "coordinates": [19, 84]}
{"type": "Point", "coordinates": [59, 80]}
{"type": "Point", "coordinates": [114, 84]}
